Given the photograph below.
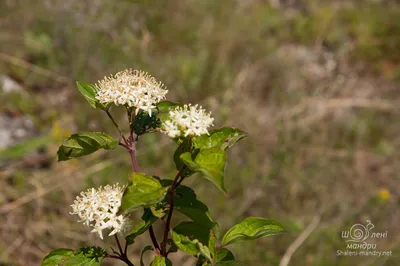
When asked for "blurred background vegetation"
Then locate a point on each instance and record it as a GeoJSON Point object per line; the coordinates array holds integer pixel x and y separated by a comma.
{"type": "Point", "coordinates": [314, 83]}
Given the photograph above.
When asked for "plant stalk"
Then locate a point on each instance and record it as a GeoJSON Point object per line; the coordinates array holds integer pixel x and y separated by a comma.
{"type": "Point", "coordinates": [122, 256]}
{"type": "Point", "coordinates": [167, 228]}
{"type": "Point", "coordinates": [132, 152]}
{"type": "Point", "coordinates": [115, 123]}
{"type": "Point", "coordinates": [130, 146]}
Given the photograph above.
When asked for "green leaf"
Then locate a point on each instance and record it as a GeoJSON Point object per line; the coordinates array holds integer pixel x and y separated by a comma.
{"type": "Point", "coordinates": [146, 248]}
{"type": "Point", "coordinates": [161, 261]}
{"type": "Point", "coordinates": [164, 107]}
{"type": "Point", "coordinates": [144, 191]}
{"type": "Point", "coordinates": [160, 209]}
{"type": "Point", "coordinates": [172, 247]}
{"type": "Point", "coordinates": [187, 203]}
{"type": "Point", "coordinates": [145, 123]}
{"type": "Point", "coordinates": [28, 146]}
{"type": "Point", "coordinates": [222, 138]}
{"type": "Point", "coordinates": [229, 263]}
{"type": "Point", "coordinates": [224, 254]}
{"type": "Point", "coordinates": [82, 144]}
{"type": "Point", "coordinates": [208, 252]}
{"type": "Point", "coordinates": [188, 235]}
{"type": "Point", "coordinates": [251, 228]}
{"type": "Point", "coordinates": [147, 220]}
{"type": "Point", "coordinates": [89, 256]}
{"type": "Point", "coordinates": [212, 244]}
{"type": "Point", "coordinates": [89, 92]}
{"type": "Point", "coordinates": [192, 238]}
{"type": "Point", "coordinates": [204, 250]}
{"type": "Point", "coordinates": [223, 257]}
{"type": "Point", "coordinates": [210, 163]}
{"type": "Point", "coordinates": [183, 147]}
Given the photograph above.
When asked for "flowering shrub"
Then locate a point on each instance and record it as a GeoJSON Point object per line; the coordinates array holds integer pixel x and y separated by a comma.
{"type": "Point", "coordinates": [199, 150]}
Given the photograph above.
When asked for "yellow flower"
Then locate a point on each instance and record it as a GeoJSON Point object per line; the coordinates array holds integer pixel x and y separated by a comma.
{"type": "Point", "coordinates": [384, 194]}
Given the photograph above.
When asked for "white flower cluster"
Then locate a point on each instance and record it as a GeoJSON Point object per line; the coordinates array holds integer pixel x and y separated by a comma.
{"type": "Point", "coordinates": [132, 88]}
{"type": "Point", "coordinates": [187, 120]}
{"type": "Point", "coordinates": [98, 209]}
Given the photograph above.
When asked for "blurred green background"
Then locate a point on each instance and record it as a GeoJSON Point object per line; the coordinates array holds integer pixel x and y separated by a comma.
{"type": "Point", "coordinates": [316, 84]}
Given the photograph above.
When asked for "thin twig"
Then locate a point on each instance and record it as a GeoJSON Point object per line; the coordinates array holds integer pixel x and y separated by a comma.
{"type": "Point", "coordinates": [112, 256]}
{"type": "Point", "coordinates": [179, 182]}
{"type": "Point", "coordinates": [127, 143]}
{"type": "Point", "coordinates": [119, 245]}
{"type": "Point", "coordinates": [115, 123]}
{"type": "Point", "coordinates": [126, 247]}
{"type": "Point", "coordinates": [168, 223]}
{"type": "Point", "coordinates": [299, 240]}
{"type": "Point", "coordinates": [123, 145]}
{"type": "Point", "coordinates": [122, 254]}
{"type": "Point", "coordinates": [175, 184]}
{"type": "Point", "coordinates": [153, 238]}
{"type": "Point", "coordinates": [121, 258]}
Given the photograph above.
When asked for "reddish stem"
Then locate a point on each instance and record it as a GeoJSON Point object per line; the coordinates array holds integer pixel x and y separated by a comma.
{"type": "Point", "coordinates": [175, 184]}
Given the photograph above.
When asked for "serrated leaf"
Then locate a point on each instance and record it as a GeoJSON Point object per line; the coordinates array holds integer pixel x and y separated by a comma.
{"type": "Point", "coordinates": [89, 256]}
{"type": "Point", "coordinates": [251, 228]}
{"type": "Point", "coordinates": [187, 203]}
{"type": "Point", "coordinates": [222, 138]}
{"type": "Point", "coordinates": [146, 248]}
{"type": "Point", "coordinates": [81, 144]}
{"type": "Point", "coordinates": [144, 191]}
{"type": "Point", "coordinates": [161, 261]}
{"type": "Point", "coordinates": [89, 92]}
{"type": "Point", "coordinates": [188, 235]}
{"type": "Point", "coordinates": [146, 221]}
{"type": "Point", "coordinates": [210, 163]}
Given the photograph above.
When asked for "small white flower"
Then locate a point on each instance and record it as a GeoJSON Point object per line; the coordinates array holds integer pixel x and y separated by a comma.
{"type": "Point", "coordinates": [133, 88]}
{"type": "Point", "coordinates": [98, 209]}
{"type": "Point", "coordinates": [187, 120]}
